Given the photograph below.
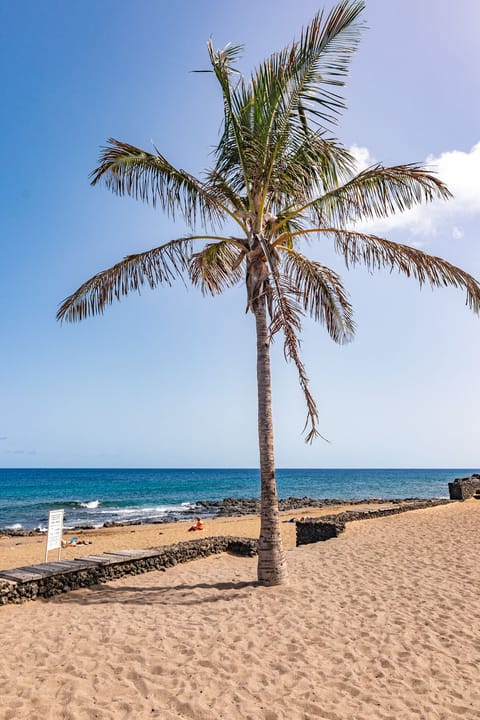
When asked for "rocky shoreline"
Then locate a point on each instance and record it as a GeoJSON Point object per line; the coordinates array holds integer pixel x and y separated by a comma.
{"type": "Point", "coordinates": [232, 507]}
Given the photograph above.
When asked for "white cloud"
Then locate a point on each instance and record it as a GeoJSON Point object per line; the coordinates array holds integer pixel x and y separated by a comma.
{"type": "Point", "coordinates": [362, 157]}
{"type": "Point", "coordinates": [460, 171]}
{"type": "Point", "coordinates": [20, 452]}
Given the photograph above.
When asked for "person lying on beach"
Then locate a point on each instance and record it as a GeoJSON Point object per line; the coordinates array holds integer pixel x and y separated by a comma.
{"type": "Point", "coordinates": [197, 526]}
{"type": "Point", "coordinates": [294, 520]}
{"type": "Point", "coordinates": [74, 541]}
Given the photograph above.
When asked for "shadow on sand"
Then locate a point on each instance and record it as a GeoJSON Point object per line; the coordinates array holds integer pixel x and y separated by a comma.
{"type": "Point", "coordinates": [172, 595]}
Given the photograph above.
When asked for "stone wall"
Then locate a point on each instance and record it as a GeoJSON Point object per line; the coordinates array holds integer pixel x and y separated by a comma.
{"type": "Point", "coordinates": [464, 488]}
{"type": "Point", "coordinates": [86, 572]}
{"type": "Point", "coordinates": [312, 530]}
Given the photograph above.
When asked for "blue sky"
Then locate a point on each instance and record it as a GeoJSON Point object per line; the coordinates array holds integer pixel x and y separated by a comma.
{"type": "Point", "coordinates": [168, 379]}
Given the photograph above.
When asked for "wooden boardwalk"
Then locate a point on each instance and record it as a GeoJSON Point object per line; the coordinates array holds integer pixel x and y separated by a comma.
{"type": "Point", "coordinates": [44, 580]}
{"type": "Point", "coordinates": [64, 567]}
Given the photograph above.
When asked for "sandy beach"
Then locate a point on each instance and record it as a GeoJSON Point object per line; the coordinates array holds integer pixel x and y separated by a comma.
{"type": "Point", "coordinates": [18, 551]}
{"type": "Point", "coordinates": [383, 622]}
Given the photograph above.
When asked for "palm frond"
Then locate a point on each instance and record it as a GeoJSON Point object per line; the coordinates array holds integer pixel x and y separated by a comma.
{"type": "Point", "coordinates": [290, 89]}
{"type": "Point", "coordinates": [375, 253]}
{"type": "Point", "coordinates": [322, 294]}
{"type": "Point", "coordinates": [286, 316]}
{"type": "Point", "coordinates": [321, 58]}
{"type": "Point", "coordinates": [161, 265]}
{"type": "Point", "coordinates": [219, 186]}
{"type": "Point", "coordinates": [376, 193]}
{"type": "Point", "coordinates": [310, 167]}
{"type": "Point", "coordinates": [293, 83]}
{"type": "Point", "coordinates": [232, 150]}
{"type": "Point", "coordinates": [217, 267]}
{"type": "Point", "coordinates": [128, 170]}
{"type": "Point", "coordinates": [266, 121]}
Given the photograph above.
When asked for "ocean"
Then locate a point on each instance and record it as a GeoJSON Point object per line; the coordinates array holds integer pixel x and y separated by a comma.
{"type": "Point", "coordinates": [93, 497]}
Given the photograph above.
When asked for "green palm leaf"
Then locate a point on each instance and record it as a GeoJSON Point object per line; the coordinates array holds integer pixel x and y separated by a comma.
{"type": "Point", "coordinates": [290, 88]}
{"type": "Point", "coordinates": [232, 151]}
{"type": "Point", "coordinates": [314, 164]}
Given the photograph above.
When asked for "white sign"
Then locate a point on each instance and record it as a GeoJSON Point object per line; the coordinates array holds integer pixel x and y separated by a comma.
{"type": "Point", "coordinates": [55, 529]}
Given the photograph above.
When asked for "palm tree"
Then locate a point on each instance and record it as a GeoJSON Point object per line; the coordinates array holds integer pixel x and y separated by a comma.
{"type": "Point", "coordinates": [279, 178]}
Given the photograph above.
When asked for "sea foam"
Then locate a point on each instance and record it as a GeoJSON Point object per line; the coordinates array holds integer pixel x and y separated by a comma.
{"type": "Point", "coordinates": [90, 505]}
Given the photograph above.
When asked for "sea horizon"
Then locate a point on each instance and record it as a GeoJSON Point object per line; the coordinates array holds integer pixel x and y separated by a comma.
{"type": "Point", "coordinates": [220, 467]}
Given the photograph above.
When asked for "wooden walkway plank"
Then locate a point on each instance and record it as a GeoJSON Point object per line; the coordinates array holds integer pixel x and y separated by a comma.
{"type": "Point", "coordinates": [43, 569]}
{"type": "Point", "coordinates": [134, 554]}
{"type": "Point", "coordinates": [102, 559]}
{"type": "Point", "coordinates": [20, 575]}
{"type": "Point", "coordinates": [63, 567]}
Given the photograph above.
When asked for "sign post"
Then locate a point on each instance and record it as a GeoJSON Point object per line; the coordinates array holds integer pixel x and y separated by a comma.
{"type": "Point", "coordinates": [55, 530]}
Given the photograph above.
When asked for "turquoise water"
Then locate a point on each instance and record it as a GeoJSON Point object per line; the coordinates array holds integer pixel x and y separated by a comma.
{"type": "Point", "coordinates": [92, 497]}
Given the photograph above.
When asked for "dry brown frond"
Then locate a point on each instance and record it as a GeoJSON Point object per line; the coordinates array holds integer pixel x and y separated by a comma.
{"type": "Point", "coordinates": [154, 267]}
{"type": "Point", "coordinates": [217, 267]}
{"type": "Point", "coordinates": [375, 252]}
{"type": "Point", "coordinates": [286, 316]}
{"type": "Point", "coordinates": [128, 170]}
{"type": "Point", "coordinates": [377, 192]}
{"type": "Point", "coordinates": [323, 294]}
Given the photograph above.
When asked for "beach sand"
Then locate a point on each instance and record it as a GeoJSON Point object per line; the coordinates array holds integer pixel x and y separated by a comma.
{"type": "Point", "coordinates": [383, 622]}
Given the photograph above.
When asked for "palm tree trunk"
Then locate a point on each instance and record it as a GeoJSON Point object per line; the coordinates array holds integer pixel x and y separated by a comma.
{"type": "Point", "coordinates": [272, 566]}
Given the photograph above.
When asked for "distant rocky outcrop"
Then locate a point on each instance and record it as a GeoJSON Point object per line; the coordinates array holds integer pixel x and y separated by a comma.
{"type": "Point", "coordinates": [464, 488]}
